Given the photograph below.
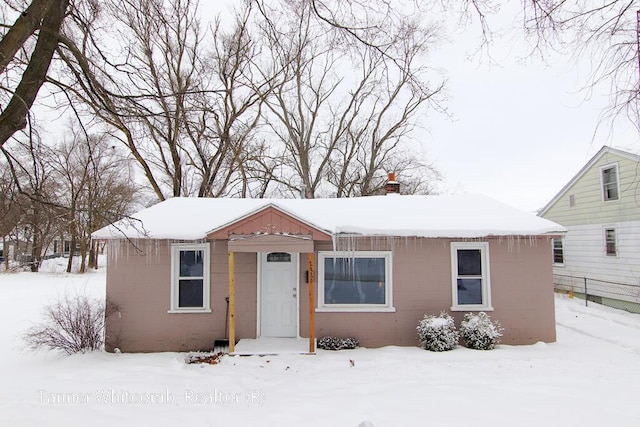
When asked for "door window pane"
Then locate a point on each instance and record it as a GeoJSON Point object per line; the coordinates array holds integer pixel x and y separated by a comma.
{"type": "Point", "coordinates": [279, 257]}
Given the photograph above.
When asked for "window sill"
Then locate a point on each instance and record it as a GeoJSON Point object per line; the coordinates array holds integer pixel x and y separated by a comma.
{"type": "Point", "coordinates": [471, 308]}
{"type": "Point", "coordinates": [558, 264]}
{"type": "Point", "coordinates": [355, 310]}
{"type": "Point", "coordinates": [190, 310]}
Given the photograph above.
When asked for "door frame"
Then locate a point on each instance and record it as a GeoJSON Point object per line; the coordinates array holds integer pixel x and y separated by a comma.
{"type": "Point", "coordinates": [295, 259]}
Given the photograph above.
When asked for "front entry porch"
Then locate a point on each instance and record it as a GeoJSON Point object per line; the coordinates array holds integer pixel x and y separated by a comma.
{"type": "Point", "coordinates": [272, 232]}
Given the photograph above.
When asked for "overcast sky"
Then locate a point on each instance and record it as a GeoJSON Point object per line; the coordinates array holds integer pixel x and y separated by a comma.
{"type": "Point", "coordinates": [521, 129]}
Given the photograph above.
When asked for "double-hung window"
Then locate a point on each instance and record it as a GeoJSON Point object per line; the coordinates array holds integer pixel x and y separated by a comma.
{"type": "Point", "coordinates": [471, 278]}
{"type": "Point", "coordinates": [609, 178]}
{"type": "Point", "coordinates": [354, 281]}
{"type": "Point", "coordinates": [610, 242]}
{"type": "Point", "coordinates": [558, 251]}
{"type": "Point", "coordinates": [190, 278]}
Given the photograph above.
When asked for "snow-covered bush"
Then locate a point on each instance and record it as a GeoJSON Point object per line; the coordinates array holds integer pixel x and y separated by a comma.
{"type": "Point", "coordinates": [335, 343]}
{"type": "Point", "coordinates": [72, 324]}
{"type": "Point", "coordinates": [479, 332]}
{"type": "Point", "coordinates": [437, 333]}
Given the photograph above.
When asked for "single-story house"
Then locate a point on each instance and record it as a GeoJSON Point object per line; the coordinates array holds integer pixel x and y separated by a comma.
{"type": "Point", "coordinates": [367, 267]}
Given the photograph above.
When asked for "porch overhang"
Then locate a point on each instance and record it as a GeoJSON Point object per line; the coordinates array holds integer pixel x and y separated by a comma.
{"type": "Point", "coordinates": [271, 243]}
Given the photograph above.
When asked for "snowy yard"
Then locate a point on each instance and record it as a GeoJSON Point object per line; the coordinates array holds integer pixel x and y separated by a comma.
{"type": "Point", "coordinates": [590, 377]}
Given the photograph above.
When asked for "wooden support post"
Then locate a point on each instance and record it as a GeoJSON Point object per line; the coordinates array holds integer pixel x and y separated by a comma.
{"type": "Point", "coordinates": [232, 303]}
{"type": "Point", "coordinates": [312, 305]}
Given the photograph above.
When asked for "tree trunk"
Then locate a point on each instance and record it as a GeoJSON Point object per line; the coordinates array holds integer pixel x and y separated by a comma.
{"type": "Point", "coordinates": [83, 256]}
{"type": "Point", "coordinates": [72, 248]}
{"type": "Point", "coordinates": [93, 256]}
{"type": "Point", "coordinates": [35, 251]}
{"type": "Point", "coordinates": [5, 252]}
{"type": "Point", "coordinates": [14, 116]}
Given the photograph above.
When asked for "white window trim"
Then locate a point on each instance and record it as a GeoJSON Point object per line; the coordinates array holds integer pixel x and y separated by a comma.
{"type": "Point", "coordinates": [602, 192]}
{"type": "Point", "coordinates": [486, 276]}
{"type": "Point", "coordinates": [615, 232]}
{"type": "Point", "coordinates": [175, 260]}
{"type": "Point", "coordinates": [553, 254]}
{"type": "Point", "coordinates": [354, 308]}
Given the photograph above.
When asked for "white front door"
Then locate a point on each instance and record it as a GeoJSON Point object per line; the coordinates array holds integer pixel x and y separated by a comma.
{"type": "Point", "coordinates": [278, 295]}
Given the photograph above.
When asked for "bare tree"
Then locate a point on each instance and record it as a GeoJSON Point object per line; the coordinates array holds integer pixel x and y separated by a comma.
{"type": "Point", "coordinates": [39, 211]}
{"type": "Point", "coordinates": [10, 201]}
{"type": "Point", "coordinates": [96, 188]}
{"type": "Point", "coordinates": [187, 114]}
{"type": "Point", "coordinates": [342, 112]}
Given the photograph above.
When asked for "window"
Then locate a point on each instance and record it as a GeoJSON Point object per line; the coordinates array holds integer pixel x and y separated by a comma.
{"type": "Point", "coordinates": [609, 182]}
{"type": "Point", "coordinates": [279, 257]}
{"type": "Point", "coordinates": [190, 278]}
{"type": "Point", "coordinates": [470, 273]}
{"type": "Point", "coordinates": [354, 281]}
{"type": "Point", "coordinates": [558, 251]}
{"type": "Point", "coordinates": [572, 201]}
{"type": "Point", "coordinates": [610, 241]}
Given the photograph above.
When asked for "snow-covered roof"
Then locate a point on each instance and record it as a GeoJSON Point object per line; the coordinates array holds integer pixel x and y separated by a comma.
{"type": "Point", "coordinates": [459, 216]}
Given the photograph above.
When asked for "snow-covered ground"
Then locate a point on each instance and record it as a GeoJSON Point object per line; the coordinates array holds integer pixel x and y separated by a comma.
{"type": "Point", "coordinates": [590, 377]}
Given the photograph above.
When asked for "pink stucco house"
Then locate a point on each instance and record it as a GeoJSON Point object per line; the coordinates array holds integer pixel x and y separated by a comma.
{"type": "Point", "coordinates": [367, 267]}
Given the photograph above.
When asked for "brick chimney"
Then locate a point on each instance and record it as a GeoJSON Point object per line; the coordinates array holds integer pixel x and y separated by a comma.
{"type": "Point", "coordinates": [393, 186]}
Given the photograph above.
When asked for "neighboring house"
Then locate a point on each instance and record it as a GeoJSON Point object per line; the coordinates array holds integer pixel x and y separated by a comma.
{"type": "Point", "coordinates": [61, 247]}
{"type": "Point", "coordinates": [12, 250]}
{"type": "Point", "coordinates": [367, 267]}
{"type": "Point", "coordinates": [600, 207]}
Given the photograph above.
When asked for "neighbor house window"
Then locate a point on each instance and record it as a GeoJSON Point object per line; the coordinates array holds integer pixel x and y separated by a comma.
{"type": "Point", "coordinates": [610, 241]}
{"type": "Point", "coordinates": [354, 281]}
{"type": "Point", "coordinates": [470, 272]}
{"type": "Point", "coordinates": [558, 251]}
{"type": "Point", "coordinates": [190, 278]}
{"type": "Point", "coordinates": [609, 182]}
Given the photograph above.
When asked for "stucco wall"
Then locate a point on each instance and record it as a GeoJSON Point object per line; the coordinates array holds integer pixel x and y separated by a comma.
{"type": "Point", "coordinates": [140, 284]}
{"type": "Point", "coordinates": [521, 287]}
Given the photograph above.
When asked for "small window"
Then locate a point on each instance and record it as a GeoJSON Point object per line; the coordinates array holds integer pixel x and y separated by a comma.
{"type": "Point", "coordinates": [610, 183]}
{"type": "Point", "coordinates": [279, 257]}
{"type": "Point", "coordinates": [558, 251]}
{"type": "Point", "coordinates": [470, 273]}
{"type": "Point", "coordinates": [572, 201]}
{"type": "Point", "coordinates": [354, 281]}
{"type": "Point", "coordinates": [610, 242]}
{"type": "Point", "coordinates": [190, 278]}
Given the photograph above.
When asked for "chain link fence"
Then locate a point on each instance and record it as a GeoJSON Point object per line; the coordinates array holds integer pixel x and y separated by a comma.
{"type": "Point", "coordinates": [612, 294]}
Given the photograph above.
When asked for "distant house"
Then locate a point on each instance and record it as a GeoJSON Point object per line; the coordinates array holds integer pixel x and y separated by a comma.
{"type": "Point", "coordinates": [367, 267]}
{"type": "Point", "coordinates": [600, 207]}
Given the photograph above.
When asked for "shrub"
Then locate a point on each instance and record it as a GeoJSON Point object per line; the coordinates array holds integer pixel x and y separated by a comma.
{"type": "Point", "coordinates": [437, 333]}
{"type": "Point", "coordinates": [73, 324]}
{"type": "Point", "coordinates": [335, 343]}
{"type": "Point", "coordinates": [479, 332]}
